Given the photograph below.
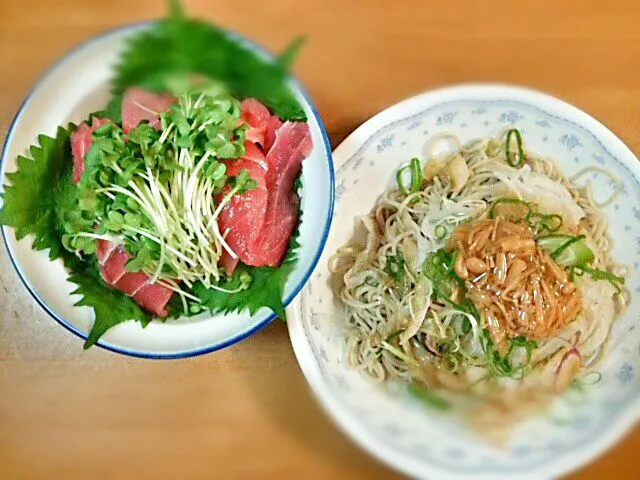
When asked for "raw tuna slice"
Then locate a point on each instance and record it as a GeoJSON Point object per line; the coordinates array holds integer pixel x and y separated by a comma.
{"type": "Point", "coordinates": [259, 223]}
{"type": "Point", "coordinates": [228, 262]}
{"type": "Point", "coordinates": [104, 250]}
{"type": "Point", "coordinates": [254, 154]}
{"type": "Point", "coordinates": [270, 134]}
{"type": "Point", "coordinates": [153, 297]}
{"type": "Point", "coordinates": [81, 140]}
{"type": "Point", "coordinates": [139, 105]}
{"type": "Point", "coordinates": [242, 218]}
{"type": "Point", "coordinates": [284, 160]}
{"type": "Point", "coordinates": [130, 283]}
{"type": "Point", "coordinates": [112, 258]}
{"type": "Point", "coordinates": [113, 268]}
{"type": "Point", "coordinates": [256, 115]}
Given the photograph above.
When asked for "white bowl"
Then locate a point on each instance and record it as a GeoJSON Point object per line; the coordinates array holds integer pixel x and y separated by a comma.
{"type": "Point", "coordinates": [79, 84]}
{"type": "Point", "coordinates": [394, 428]}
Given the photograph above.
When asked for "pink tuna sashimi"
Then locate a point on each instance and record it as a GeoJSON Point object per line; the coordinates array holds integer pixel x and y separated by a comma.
{"type": "Point", "coordinates": [154, 297]}
{"type": "Point", "coordinates": [254, 154]}
{"type": "Point", "coordinates": [241, 220]}
{"type": "Point", "coordinates": [104, 250]}
{"type": "Point", "coordinates": [259, 223]}
{"type": "Point", "coordinates": [293, 144]}
{"type": "Point", "coordinates": [139, 105]}
{"type": "Point", "coordinates": [112, 258]}
{"type": "Point", "coordinates": [113, 267]}
{"type": "Point", "coordinates": [270, 134]}
{"type": "Point", "coordinates": [130, 283]}
{"type": "Point", "coordinates": [256, 115]}
{"type": "Point", "coordinates": [228, 262]}
{"type": "Point", "coordinates": [81, 140]}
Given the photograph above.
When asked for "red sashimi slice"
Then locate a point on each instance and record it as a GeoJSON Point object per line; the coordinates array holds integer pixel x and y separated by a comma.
{"type": "Point", "coordinates": [284, 160]}
{"type": "Point", "coordinates": [130, 283]}
{"type": "Point", "coordinates": [270, 133]}
{"type": "Point", "coordinates": [81, 140]}
{"type": "Point", "coordinates": [153, 297]}
{"type": "Point", "coordinates": [253, 153]}
{"type": "Point", "coordinates": [112, 258]}
{"type": "Point", "coordinates": [256, 115]}
{"type": "Point", "coordinates": [113, 268]}
{"type": "Point", "coordinates": [228, 262]}
{"type": "Point", "coordinates": [241, 220]}
{"type": "Point", "coordinates": [139, 105]}
{"type": "Point", "coordinates": [104, 250]}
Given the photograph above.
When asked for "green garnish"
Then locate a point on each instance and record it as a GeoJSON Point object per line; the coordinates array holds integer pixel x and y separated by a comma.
{"type": "Point", "coordinates": [567, 250]}
{"type": "Point", "coordinates": [537, 221]}
{"type": "Point", "coordinates": [466, 325]}
{"type": "Point", "coordinates": [556, 253]}
{"type": "Point", "coordinates": [393, 335]}
{"type": "Point", "coordinates": [502, 366]}
{"type": "Point", "coordinates": [550, 223]}
{"type": "Point", "coordinates": [163, 56]}
{"type": "Point", "coordinates": [438, 268]}
{"type": "Point", "coordinates": [440, 232]}
{"type": "Point", "coordinates": [394, 266]}
{"type": "Point", "coordinates": [145, 184]}
{"type": "Point", "coordinates": [512, 160]}
{"type": "Point", "coordinates": [598, 274]}
{"type": "Point", "coordinates": [390, 337]}
{"type": "Point", "coordinates": [427, 397]}
{"type": "Point", "coordinates": [42, 201]}
{"type": "Point", "coordinates": [417, 177]}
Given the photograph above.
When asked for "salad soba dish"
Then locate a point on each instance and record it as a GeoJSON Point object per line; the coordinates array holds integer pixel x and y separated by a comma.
{"type": "Point", "coordinates": [483, 280]}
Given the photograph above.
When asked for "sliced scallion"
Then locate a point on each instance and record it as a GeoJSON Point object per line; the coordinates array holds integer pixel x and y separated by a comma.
{"type": "Point", "coordinates": [415, 183]}
{"type": "Point", "coordinates": [427, 397]}
{"type": "Point", "coordinates": [441, 232]}
{"type": "Point", "coordinates": [566, 250]}
{"type": "Point", "coordinates": [512, 160]}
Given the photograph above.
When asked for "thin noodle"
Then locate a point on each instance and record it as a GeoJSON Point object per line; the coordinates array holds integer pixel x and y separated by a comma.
{"type": "Point", "coordinates": [523, 291]}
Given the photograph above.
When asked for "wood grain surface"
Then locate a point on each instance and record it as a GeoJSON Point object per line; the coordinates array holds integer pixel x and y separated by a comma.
{"type": "Point", "coordinates": [246, 412]}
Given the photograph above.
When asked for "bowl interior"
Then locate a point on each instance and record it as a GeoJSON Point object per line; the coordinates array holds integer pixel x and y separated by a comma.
{"type": "Point", "coordinates": [72, 89]}
{"type": "Point", "coordinates": [403, 433]}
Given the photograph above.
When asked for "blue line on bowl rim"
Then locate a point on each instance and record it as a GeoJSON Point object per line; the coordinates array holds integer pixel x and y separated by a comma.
{"type": "Point", "coordinates": [130, 28]}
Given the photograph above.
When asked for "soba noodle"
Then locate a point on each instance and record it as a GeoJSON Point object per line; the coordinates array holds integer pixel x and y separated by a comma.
{"type": "Point", "coordinates": [454, 288]}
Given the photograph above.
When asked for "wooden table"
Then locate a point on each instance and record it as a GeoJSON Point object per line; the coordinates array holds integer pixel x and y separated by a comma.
{"type": "Point", "coordinates": [246, 411]}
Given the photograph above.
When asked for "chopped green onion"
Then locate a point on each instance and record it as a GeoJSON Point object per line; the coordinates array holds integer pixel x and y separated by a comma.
{"type": "Point", "coordinates": [556, 253]}
{"type": "Point", "coordinates": [466, 325]}
{"type": "Point", "coordinates": [416, 177]}
{"type": "Point", "coordinates": [393, 335]}
{"type": "Point", "coordinates": [521, 341]}
{"type": "Point", "coordinates": [390, 337]}
{"type": "Point", "coordinates": [511, 159]}
{"type": "Point", "coordinates": [598, 274]}
{"type": "Point", "coordinates": [566, 250]}
{"type": "Point", "coordinates": [395, 267]}
{"type": "Point", "coordinates": [427, 397]}
{"type": "Point", "coordinates": [550, 223]}
{"type": "Point", "coordinates": [501, 366]}
{"type": "Point", "coordinates": [441, 232]}
{"type": "Point", "coordinates": [438, 268]}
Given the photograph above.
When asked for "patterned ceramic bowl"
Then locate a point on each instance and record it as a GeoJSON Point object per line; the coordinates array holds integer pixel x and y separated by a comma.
{"type": "Point", "coordinates": [394, 428]}
{"type": "Point", "coordinates": [79, 84]}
